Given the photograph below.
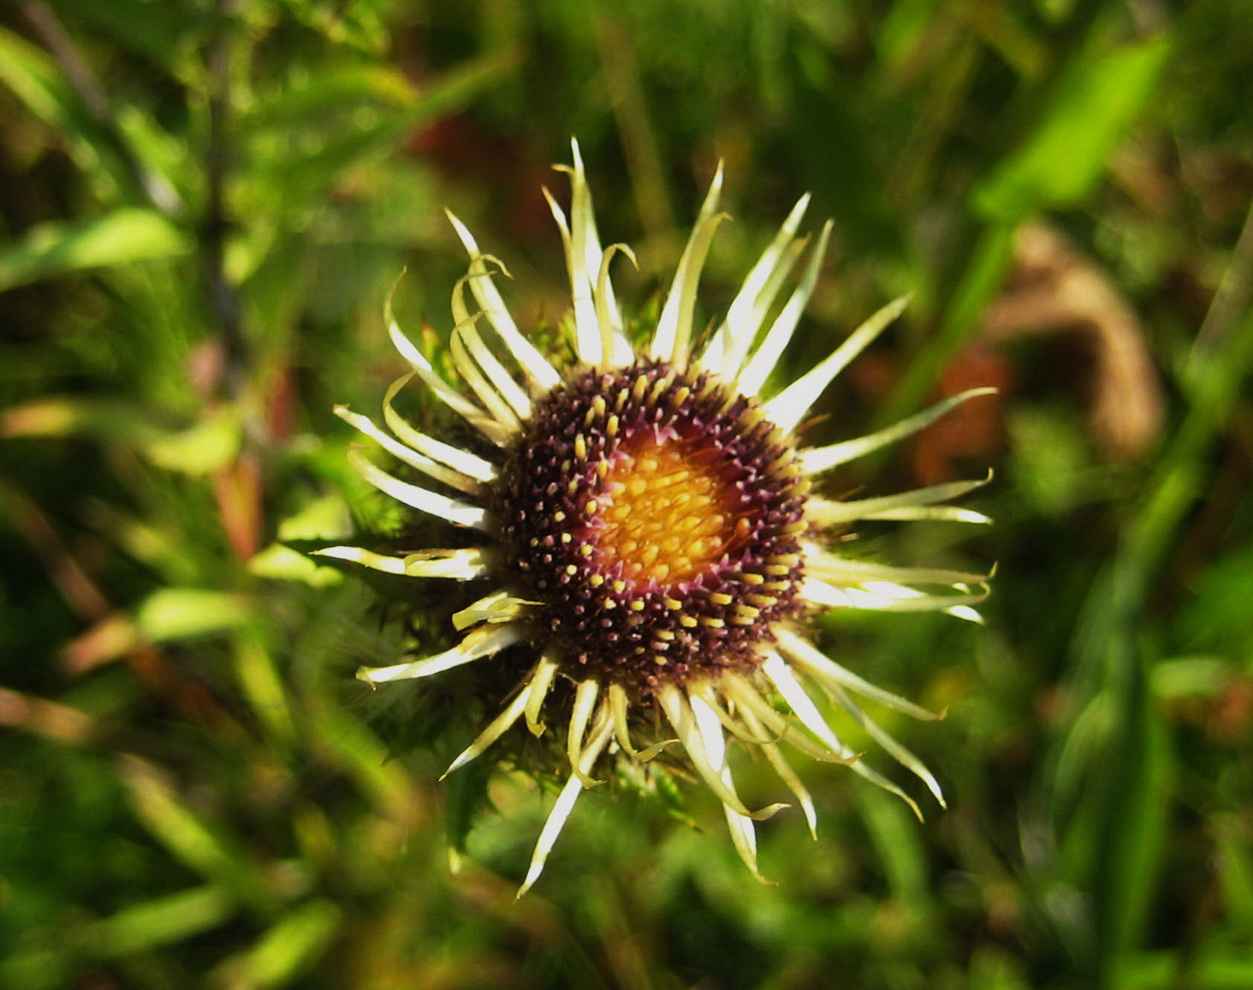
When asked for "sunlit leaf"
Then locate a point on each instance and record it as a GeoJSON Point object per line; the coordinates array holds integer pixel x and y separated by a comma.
{"type": "Point", "coordinates": [159, 30]}
{"type": "Point", "coordinates": [63, 416]}
{"type": "Point", "coordinates": [125, 235]}
{"type": "Point", "coordinates": [293, 943]}
{"type": "Point", "coordinates": [210, 444]}
{"type": "Point", "coordinates": [35, 78]}
{"type": "Point", "coordinates": [329, 95]}
{"type": "Point", "coordinates": [179, 613]}
{"type": "Point", "coordinates": [1091, 110]}
{"type": "Point", "coordinates": [174, 918]}
{"type": "Point", "coordinates": [280, 563]}
{"type": "Point", "coordinates": [39, 83]}
{"type": "Point", "coordinates": [201, 846]}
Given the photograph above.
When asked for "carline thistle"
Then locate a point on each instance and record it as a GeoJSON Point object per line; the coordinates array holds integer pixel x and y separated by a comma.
{"type": "Point", "coordinates": [655, 546]}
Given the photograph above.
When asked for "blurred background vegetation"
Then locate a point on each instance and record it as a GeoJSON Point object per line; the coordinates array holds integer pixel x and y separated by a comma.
{"type": "Point", "coordinates": [203, 204]}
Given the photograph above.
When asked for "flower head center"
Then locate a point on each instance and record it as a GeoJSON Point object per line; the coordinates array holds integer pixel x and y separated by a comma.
{"type": "Point", "coordinates": [665, 511]}
{"type": "Point", "coordinates": [654, 516]}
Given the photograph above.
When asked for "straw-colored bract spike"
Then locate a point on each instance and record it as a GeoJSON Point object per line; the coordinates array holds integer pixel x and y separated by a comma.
{"type": "Point", "coordinates": [818, 459]}
{"type": "Point", "coordinates": [677, 709]}
{"type": "Point", "coordinates": [366, 558]}
{"type": "Point", "coordinates": [864, 771]}
{"type": "Point", "coordinates": [499, 606]}
{"type": "Point", "coordinates": [602, 729]}
{"type": "Point", "coordinates": [747, 312]}
{"type": "Point", "coordinates": [477, 644]}
{"type": "Point", "coordinates": [932, 513]}
{"type": "Point", "coordinates": [786, 773]}
{"type": "Point", "coordinates": [753, 377]}
{"type": "Point", "coordinates": [471, 465]}
{"type": "Point", "coordinates": [541, 680]}
{"type": "Point", "coordinates": [674, 326]}
{"type": "Point", "coordinates": [747, 697]}
{"type": "Point", "coordinates": [586, 266]}
{"type": "Point", "coordinates": [715, 356]}
{"type": "Point", "coordinates": [884, 596]}
{"type": "Point", "coordinates": [743, 834]}
{"type": "Point", "coordinates": [488, 393]}
{"type": "Point", "coordinates": [461, 564]}
{"type": "Point", "coordinates": [786, 409]}
{"type": "Point", "coordinates": [620, 706]}
{"type": "Point", "coordinates": [826, 512]}
{"type": "Point", "coordinates": [846, 571]}
{"type": "Point", "coordinates": [827, 672]}
{"type": "Point", "coordinates": [585, 696]}
{"type": "Point", "coordinates": [586, 329]}
{"type": "Point", "coordinates": [803, 707]}
{"type": "Point", "coordinates": [608, 319]}
{"type": "Point", "coordinates": [434, 469]}
{"type": "Point", "coordinates": [532, 362]}
{"type": "Point", "coordinates": [452, 398]}
{"type": "Point", "coordinates": [495, 729]}
{"type": "Point", "coordinates": [898, 752]}
{"type": "Point", "coordinates": [495, 372]}
{"type": "Point", "coordinates": [705, 690]}
{"type": "Point", "coordinates": [460, 513]}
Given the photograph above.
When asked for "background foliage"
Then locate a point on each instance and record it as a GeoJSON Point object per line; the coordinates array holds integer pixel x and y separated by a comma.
{"type": "Point", "coordinates": [203, 204]}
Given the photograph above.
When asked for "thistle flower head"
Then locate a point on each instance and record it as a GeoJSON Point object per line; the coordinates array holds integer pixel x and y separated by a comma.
{"type": "Point", "coordinates": [651, 540]}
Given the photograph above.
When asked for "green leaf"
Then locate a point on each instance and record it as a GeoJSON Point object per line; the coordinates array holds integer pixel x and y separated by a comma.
{"type": "Point", "coordinates": [344, 740]}
{"type": "Point", "coordinates": [1224, 968]}
{"type": "Point", "coordinates": [291, 945]}
{"type": "Point", "coordinates": [1236, 877]}
{"type": "Point", "coordinates": [165, 920]}
{"type": "Point", "coordinates": [1216, 617]}
{"type": "Point", "coordinates": [1134, 838]}
{"type": "Point", "coordinates": [179, 613]}
{"type": "Point", "coordinates": [1092, 108]}
{"type": "Point", "coordinates": [894, 833]}
{"type": "Point", "coordinates": [125, 235]}
{"type": "Point", "coordinates": [466, 798]}
{"type": "Point", "coordinates": [36, 80]}
{"type": "Point", "coordinates": [330, 94]}
{"type": "Point", "coordinates": [195, 842]}
{"type": "Point", "coordinates": [323, 518]}
{"type": "Point", "coordinates": [1192, 677]}
{"type": "Point", "coordinates": [41, 85]}
{"type": "Point", "coordinates": [281, 563]}
{"type": "Point", "coordinates": [262, 685]}
{"type": "Point", "coordinates": [160, 31]}
{"type": "Point", "coordinates": [207, 446]}
{"type": "Point", "coordinates": [299, 149]}
{"type": "Point", "coordinates": [984, 275]}
{"type": "Point", "coordinates": [64, 416]}
{"type": "Point", "coordinates": [1051, 466]}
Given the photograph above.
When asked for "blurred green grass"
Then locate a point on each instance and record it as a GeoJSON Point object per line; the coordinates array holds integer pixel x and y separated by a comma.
{"type": "Point", "coordinates": [203, 204]}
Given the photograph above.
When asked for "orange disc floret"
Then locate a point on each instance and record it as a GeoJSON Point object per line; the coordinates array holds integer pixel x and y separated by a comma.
{"type": "Point", "coordinates": [665, 511]}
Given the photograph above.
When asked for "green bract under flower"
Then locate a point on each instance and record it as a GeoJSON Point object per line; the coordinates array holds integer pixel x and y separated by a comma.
{"type": "Point", "coordinates": [653, 538]}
